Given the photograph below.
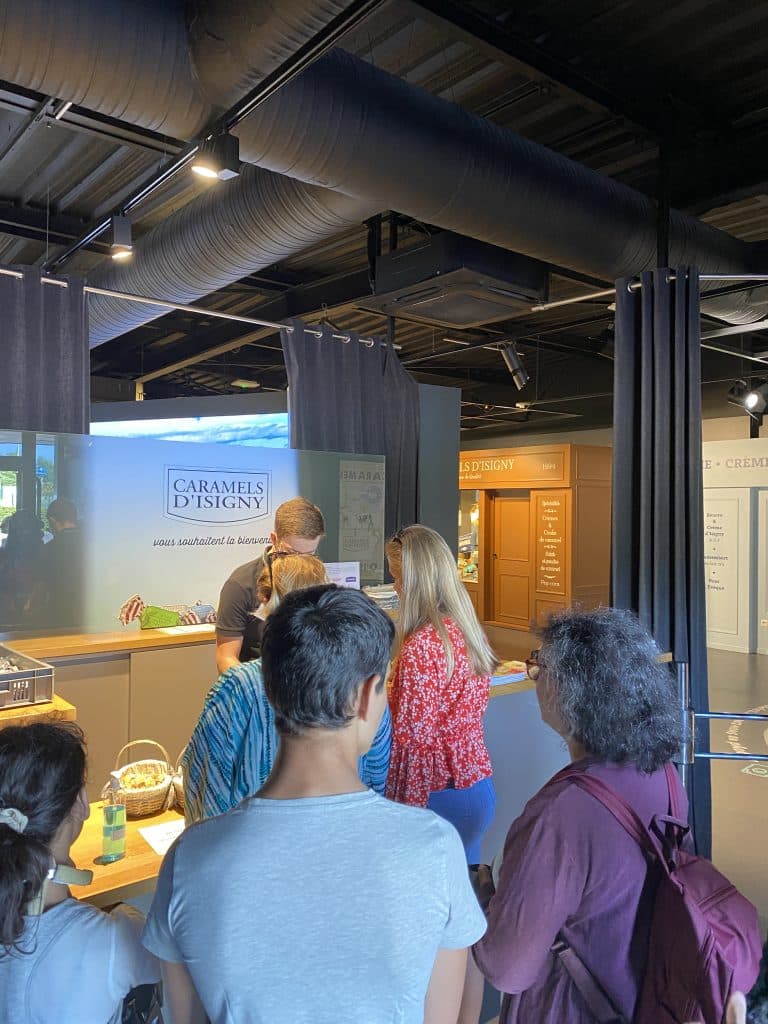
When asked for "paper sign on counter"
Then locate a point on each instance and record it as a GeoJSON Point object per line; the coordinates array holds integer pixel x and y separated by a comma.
{"type": "Point", "coordinates": [344, 574]}
{"type": "Point", "coordinates": [160, 837]}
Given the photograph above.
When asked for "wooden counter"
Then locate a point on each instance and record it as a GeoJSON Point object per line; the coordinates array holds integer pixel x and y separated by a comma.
{"type": "Point", "coordinates": [130, 876]}
{"type": "Point", "coordinates": [130, 639]}
{"type": "Point", "coordinates": [128, 684]}
{"type": "Point", "coordinates": [56, 710]}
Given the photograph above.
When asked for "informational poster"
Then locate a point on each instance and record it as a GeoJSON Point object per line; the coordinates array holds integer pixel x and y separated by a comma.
{"type": "Point", "coordinates": [721, 547]}
{"type": "Point", "coordinates": [361, 516]}
{"type": "Point", "coordinates": [550, 532]}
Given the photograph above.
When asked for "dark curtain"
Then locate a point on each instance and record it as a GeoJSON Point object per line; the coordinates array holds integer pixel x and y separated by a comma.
{"type": "Point", "coordinates": [355, 397]}
{"type": "Point", "coordinates": [658, 531]}
{"type": "Point", "coordinates": [44, 354]}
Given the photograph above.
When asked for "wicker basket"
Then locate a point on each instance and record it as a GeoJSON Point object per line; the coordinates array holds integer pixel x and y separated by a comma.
{"type": "Point", "coordinates": [178, 783]}
{"type": "Point", "coordinates": [150, 799]}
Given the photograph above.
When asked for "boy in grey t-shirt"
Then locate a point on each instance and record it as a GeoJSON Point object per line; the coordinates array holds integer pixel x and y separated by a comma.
{"type": "Point", "coordinates": [318, 900]}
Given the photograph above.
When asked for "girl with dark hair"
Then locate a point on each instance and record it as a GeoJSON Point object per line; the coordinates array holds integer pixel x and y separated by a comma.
{"type": "Point", "coordinates": [570, 873]}
{"type": "Point", "coordinates": [60, 960]}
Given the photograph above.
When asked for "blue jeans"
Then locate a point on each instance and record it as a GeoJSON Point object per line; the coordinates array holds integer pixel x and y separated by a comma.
{"type": "Point", "coordinates": [469, 810]}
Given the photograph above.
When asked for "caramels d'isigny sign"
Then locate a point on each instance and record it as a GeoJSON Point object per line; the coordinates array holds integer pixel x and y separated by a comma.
{"type": "Point", "coordinates": [509, 468]}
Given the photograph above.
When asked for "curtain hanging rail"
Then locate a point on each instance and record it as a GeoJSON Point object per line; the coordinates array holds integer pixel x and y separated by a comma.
{"type": "Point", "coordinates": [200, 310]}
{"type": "Point", "coordinates": [606, 292]}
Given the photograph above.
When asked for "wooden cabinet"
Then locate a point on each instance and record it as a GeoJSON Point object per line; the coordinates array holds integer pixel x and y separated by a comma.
{"type": "Point", "coordinates": [545, 529]}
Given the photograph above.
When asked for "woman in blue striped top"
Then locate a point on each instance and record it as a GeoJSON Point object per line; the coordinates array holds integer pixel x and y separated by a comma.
{"type": "Point", "coordinates": [234, 743]}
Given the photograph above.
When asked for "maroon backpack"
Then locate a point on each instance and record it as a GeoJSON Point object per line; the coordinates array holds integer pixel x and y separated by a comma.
{"type": "Point", "coordinates": [704, 940]}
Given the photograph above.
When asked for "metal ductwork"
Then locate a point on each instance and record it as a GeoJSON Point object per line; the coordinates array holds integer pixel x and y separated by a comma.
{"type": "Point", "coordinates": [349, 126]}
{"type": "Point", "coordinates": [124, 60]}
{"type": "Point", "coordinates": [167, 66]}
{"type": "Point", "coordinates": [344, 125]}
{"type": "Point", "coordinates": [236, 45]}
{"type": "Point", "coordinates": [229, 232]}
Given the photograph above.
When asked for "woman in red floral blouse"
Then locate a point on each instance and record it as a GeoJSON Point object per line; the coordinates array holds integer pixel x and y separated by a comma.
{"type": "Point", "coordinates": [439, 690]}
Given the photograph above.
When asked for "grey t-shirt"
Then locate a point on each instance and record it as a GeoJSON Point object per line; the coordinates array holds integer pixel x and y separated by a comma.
{"type": "Point", "coordinates": [324, 910]}
{"type": "Point", "coordinates": [77, 966]}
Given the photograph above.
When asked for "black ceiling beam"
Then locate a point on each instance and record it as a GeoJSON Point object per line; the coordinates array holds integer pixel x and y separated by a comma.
{"type": "Point", "coordinates": [524, 337]}
{"type": "Point", "coordinates": [38, 226]}
{"type": "Point", "coordinates": [504, 44]}
{"type": "Point", "coordinates": [727, 169]}
{"type": "Point", "coordinates": [26, 101]}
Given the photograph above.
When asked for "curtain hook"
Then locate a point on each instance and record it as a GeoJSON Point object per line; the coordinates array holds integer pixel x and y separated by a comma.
{"type": "Point", "coordinates": [346, 339]}
{"type": "Point", "coordinates": [368, 342]}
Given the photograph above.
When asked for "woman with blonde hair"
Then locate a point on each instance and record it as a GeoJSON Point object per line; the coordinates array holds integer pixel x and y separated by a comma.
{"type": "Point", "coordinates": [439, 690]}
{"type": "Point", "coordinates": [233, 746]}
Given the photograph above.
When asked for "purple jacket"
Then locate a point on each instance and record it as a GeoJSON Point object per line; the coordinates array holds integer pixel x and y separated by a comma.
{"type": "Point", "coordinates": [569, 866]}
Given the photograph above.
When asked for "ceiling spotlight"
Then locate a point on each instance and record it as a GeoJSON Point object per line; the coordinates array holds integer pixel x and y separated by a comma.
{"type": "Point", "coordinates": [122, 241]}
{"type": "Point", "coordinates": [218, 157]}
{"type": "Point", "coordinates": [511, 357]}
{"type": "Point", "coordinates": [246, 385]}
{"type": "Point", "coordinates": [756, 400]}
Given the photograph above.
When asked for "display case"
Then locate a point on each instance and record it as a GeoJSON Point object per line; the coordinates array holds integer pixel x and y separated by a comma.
{"type": "Point", "coordinates": [469, 518]}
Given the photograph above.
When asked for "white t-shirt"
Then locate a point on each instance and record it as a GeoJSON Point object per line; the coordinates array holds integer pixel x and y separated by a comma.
{"type": "Point", "coordinates": [77, 965]}
{"type": "Point", "coordinates": [324, 910]}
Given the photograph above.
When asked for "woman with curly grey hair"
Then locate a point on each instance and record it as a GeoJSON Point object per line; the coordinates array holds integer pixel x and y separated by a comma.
{"type": "Point", "coordinates": [570, 873]}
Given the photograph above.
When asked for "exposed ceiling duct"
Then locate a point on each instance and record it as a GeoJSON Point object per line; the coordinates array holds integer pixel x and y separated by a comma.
{"type": "Point", "coordinates": [344, 125]}
{"type": "Point", "coordinates": [347, 125]}
{"type": "Point", "coordinates": [124, 60]}
{"type": "Point", "coordinates": [142, 63]}
{"type": "Point", "coordinates": [236, 45]}
{"type": "Point", "coordinates": [229, 232]}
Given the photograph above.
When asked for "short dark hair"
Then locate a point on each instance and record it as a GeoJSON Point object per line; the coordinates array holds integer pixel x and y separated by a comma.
{"type": "Point", "coordinates": [42, 770]}
{"type": "Point", "coordinates": [62, 510]}
{"type": "Point", "coordinates": [319, 645]}
{"type": "Point", "coordinates": [612, 692]}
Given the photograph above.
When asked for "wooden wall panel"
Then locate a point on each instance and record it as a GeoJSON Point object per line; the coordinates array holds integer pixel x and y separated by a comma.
{"type": "Point", "coordinates": [99, 689]}
{"type": "Point", "coordinates": [512, 559]}
{"type": "Point", "coordinates": [168, 688]}
{"type": "Point", "coordinates": [591, 544]}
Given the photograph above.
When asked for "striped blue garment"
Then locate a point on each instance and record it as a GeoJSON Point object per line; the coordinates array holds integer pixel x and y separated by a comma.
{"type": "Point", "coordinates": [234, 743]}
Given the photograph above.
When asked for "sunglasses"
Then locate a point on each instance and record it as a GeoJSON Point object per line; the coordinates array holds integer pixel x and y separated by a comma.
{"type": "Point", "coordinates": [274, 555]}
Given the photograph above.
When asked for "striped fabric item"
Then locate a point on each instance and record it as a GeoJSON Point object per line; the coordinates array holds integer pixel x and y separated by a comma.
{"type": "Point", "coordinates": [234, 743]}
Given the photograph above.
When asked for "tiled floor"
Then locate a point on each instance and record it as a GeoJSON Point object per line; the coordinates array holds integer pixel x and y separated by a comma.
{"type": "Point", "coordinates": [739, 682]}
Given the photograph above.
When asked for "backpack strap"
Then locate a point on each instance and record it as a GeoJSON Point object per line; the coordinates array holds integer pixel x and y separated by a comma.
{"type": "Point", "coordinates": [675, 786]}
{"type": "Point", "coordinates": [622, 811]}
{"type": "Point", "coordinates": [600, 1006]}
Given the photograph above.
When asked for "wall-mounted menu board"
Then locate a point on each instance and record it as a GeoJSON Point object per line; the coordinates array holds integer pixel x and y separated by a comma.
{"type": "Point", "coordinates": [550, 527]}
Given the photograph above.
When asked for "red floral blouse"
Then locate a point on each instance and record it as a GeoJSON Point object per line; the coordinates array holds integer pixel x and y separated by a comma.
{"type": "Point", "coordinates": [437, 723]}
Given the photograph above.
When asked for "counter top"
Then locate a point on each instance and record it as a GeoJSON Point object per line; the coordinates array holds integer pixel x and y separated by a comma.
{"type": "Point", "coordinates": [56, 710]}
{"type": "Point", "coordinates": [76, 644]}
{"type": "Point", "coordinates": [132, 875]}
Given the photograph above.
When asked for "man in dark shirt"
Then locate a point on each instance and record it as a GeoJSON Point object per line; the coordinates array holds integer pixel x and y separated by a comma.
{"type": "Point", "coordinates": [63, 567]}
{"type": "Point", "coordinates": [299, 528]}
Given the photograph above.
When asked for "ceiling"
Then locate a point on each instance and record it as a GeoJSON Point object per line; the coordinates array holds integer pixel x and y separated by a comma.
{"type": "Point", "coordinates": [671, 99]}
